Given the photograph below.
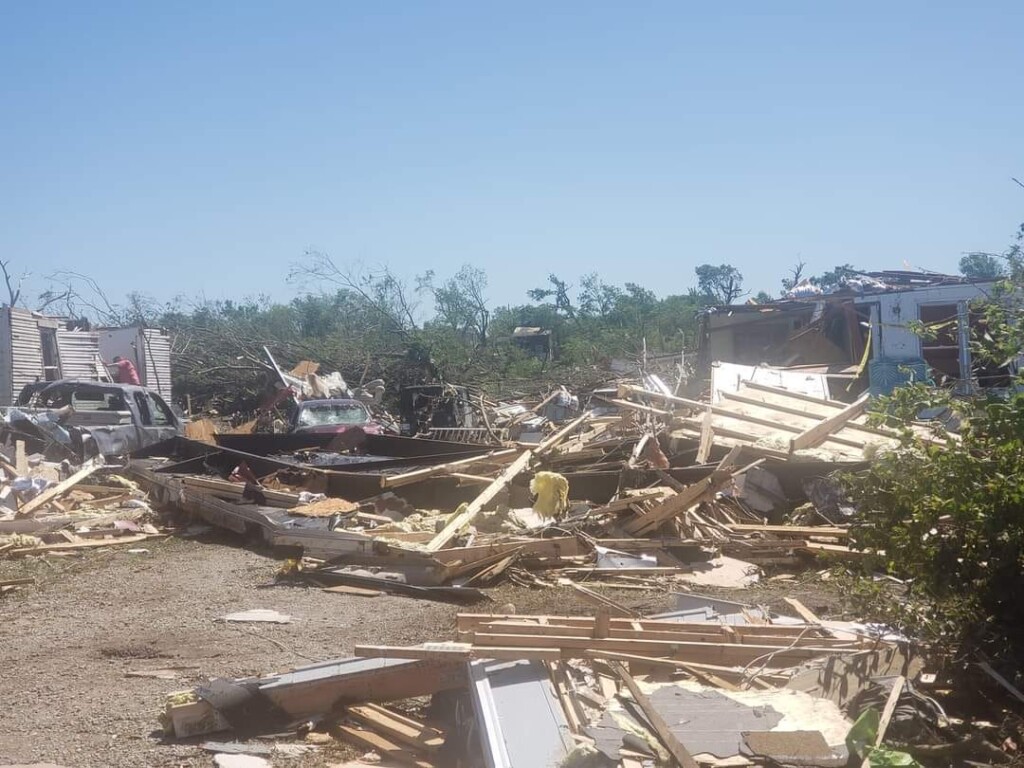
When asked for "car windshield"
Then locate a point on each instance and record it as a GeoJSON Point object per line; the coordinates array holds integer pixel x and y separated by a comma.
{"type": "Point", "coordinates": [325, 414]}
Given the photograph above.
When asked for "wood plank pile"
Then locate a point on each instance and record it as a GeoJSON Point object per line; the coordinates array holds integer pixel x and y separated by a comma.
{"type": "Point", "coordinates": [56, 509]}
{"type": "Point", "coordinates": [603, 687]}
{"type": "Point", "coordinates": [634, 491]}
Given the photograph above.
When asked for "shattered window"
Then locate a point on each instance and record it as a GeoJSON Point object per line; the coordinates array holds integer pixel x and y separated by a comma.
{"type": "Point", "coordinates": [321, 415]}
{"type": "Point", "coordinates": [162, 416]}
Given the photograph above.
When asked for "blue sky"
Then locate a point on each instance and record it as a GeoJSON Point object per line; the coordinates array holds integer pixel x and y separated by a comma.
{"type": "Point", "coordinates": [200, 148]}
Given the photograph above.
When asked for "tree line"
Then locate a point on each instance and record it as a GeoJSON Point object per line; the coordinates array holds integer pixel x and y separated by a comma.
{"type": "Point", "coordinates": [370, 323]}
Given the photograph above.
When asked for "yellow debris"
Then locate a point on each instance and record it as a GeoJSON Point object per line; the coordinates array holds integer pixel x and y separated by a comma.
{"type": "Point", "coordinates": [552, 492]}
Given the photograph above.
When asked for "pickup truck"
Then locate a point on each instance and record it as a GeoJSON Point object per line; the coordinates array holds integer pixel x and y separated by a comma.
{"type": "Point", "coordinates": [120, 418]}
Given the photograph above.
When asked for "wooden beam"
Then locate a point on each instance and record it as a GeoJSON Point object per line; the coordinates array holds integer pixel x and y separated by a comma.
{"type": "Point", "coordinates": [398, 727]}
{"type": "Point", "coordinates": [796, 531]}
{"type": "Point", "coordinates": [637, 406]}
{"type": "Point", "coordinates": [605, 603]}
{"type": "Point", "coordinates": [887, 713]}
{"type": "Point", "coordinates": [468, 515]}
{"type": "Point", "coordinates": [713, 653]}
{"type": "Point", "coordinates": [281, 499]}
{"type": "Point", "coordinates": [676, 505]}
{"type": "Point", "coordinates": [472, 621]}
{"type": "Point", "coordinates": [50, 494]}
{"type": "Point", "coordinates": [389, 748]}
{"type": "Point", "coordinates": [707, 438]}
{"type": "Point", "coordinates": [554, 440]}
{"type": "Point", "coordinates": [455, 652]}
{"type": "Point", "coordinates": [675, 747]}
{"type": "Point", "coordinates": [90, 544]}
{"type": "Point", "coordinates": [396, 481]}
{"type": "Point", "coordinates": [821, 431]}
{"type": "Point", "coordinates": [805, 613]}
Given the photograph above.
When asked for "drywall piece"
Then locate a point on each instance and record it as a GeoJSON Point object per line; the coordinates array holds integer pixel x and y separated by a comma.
{"type": "Point", "coordinates": [722, 571]}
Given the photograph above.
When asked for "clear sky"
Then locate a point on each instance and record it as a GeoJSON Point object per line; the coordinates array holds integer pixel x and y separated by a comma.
{"type": "Point", "coordinates": [190, 147]}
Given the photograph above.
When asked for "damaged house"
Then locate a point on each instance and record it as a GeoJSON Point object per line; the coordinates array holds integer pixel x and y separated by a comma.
{"type": "Point", "coordinates": [868, 324]}
{"type": "Point", "coordinates": [35, 347]}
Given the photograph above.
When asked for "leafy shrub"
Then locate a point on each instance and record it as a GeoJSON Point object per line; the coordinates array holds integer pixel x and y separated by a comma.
{"type": "Point", "coordinates": [950, 520]}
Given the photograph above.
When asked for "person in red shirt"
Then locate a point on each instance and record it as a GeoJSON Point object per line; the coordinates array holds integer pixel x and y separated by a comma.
{"type": "Point", "coordinates": [126, 373]}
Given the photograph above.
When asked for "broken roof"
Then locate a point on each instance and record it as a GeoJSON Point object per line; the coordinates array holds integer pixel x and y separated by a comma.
{"type": "Point", "coordinates": [856, 284]}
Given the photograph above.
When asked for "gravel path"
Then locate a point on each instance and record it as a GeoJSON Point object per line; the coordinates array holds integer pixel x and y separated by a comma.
{"type": "Point", "coordinates": [68, 642]}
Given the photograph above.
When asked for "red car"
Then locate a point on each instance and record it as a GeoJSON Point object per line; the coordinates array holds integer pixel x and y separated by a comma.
{"type": "Point", "coordinates": [332, 417]}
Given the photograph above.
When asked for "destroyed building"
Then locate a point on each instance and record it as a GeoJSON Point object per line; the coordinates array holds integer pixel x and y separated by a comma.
{"type": "Point", "coordinates": [868, 323]}
{"type": "Point", "coordinates": [536, 342]}
{"type": "Point", "coordinates": [38, 347]}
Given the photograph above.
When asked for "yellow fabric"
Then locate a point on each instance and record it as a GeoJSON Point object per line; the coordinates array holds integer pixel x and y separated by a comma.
{"type": "Point", "coordinates": [552, 492]}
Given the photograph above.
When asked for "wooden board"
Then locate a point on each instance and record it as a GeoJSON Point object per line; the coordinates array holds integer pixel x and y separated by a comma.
{"type": "Point", "coordinates": [681, 755]}
{"type": "Point", "coordinates": [398, 727]}
{"type": "Point", "coordinates": [50, 494]}
{"type": "Point", "coordinates": [406, 478]}
{"type": "Point", "coordinates": [467, 516]}
{"type": "Point", "coordinates": [388, 748]}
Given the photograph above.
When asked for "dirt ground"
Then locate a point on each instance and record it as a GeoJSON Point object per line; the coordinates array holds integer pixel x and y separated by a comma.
{"type": "Point", "coordinates": [69, 642]}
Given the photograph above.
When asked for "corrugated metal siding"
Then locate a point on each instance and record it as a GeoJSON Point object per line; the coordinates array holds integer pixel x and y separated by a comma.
{"type": "Point", "coordinates": [26, 350]}
{"type": "Point", "coordinates": [79, 351]}
{"type": "Point", "coordinates": [157, 347]}
{"type": "Point", "coordinates": [6, 393]}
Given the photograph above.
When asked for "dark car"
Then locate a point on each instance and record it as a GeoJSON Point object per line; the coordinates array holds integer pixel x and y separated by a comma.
{"type": "Point", "coordinates": [333, 417]}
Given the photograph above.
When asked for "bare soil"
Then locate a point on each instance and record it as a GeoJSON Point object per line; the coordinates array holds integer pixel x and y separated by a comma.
{"type": "Point", "coordinates": [69, 642]}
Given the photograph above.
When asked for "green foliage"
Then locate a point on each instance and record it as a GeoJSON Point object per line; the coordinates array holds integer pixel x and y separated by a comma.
{"type": "Point", "coordinates": [861, 742]}
{"type": "Point", "coordinates": [949, 518]}
{"type": "Point", "coordinates": [720, 285]}
{"type": "Point", "coordinates": [981, 266]}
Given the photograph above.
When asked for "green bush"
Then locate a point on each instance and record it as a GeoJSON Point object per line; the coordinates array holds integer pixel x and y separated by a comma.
{"type": "Point", "coordinates": [950, 520]}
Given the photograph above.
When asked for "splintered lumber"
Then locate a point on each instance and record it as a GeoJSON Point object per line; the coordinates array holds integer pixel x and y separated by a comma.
{"type": "Point", "coordinates": [819, 432]}
{"type": "Point", "coordinates": [629, 404]}
{"type": "Point", "coordinates": [605, 630]}
{"type": "Point", "coordinates": [468, 515]}
{"type": "Point", "coordinates": [726, 653]}
{"type": "Point", "coordinates": [20, 458]}
{"type": "Point", "coordinates": [216, 486]}
{"type": "Point", "coordinates": [406, 478]}
{"type": "Point", "coordinates": [398, 727]}
{"type": "Point", "coordinates": [51, 494]}
{"type": "Point", "coordinates": [554, 440]}
{"type": "Point", "coordinates": [676, 505]}
{"type": "Point", "coordinates": [16, 582]}
{"type": "Point", "coordinates": [887, 713]}
{"type": "Point", "coordinates": [675, 747]}
{"type": "Point", "coordinates": [795, 531]}
{"type": "Point", "coordinates": [91, 544]}
{"type": "Point", "coordinates": [466, 622]}
{"type": "Point", "coordinates": [455, 652]}
{"type": "Point", "coordinates": [606, 603]}
{"type": "Point", "coordinates": [344, 589]}
{"type": "Point", "coordinates": [805, 613]}
{"type": "Point", "coordinates": [707, 435]}
{"type": "Point", "coordinates": [387, 747]}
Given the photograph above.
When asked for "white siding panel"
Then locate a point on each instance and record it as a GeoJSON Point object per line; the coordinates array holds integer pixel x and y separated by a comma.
{"type": "Point", "coordinates": [6, 389]}
{"type": "Point", "coordinates": [79, 351]}
{"type": "Point", "coordinates": [26, 350]}
{"type": "Point", "coordinates": [157, 374]}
